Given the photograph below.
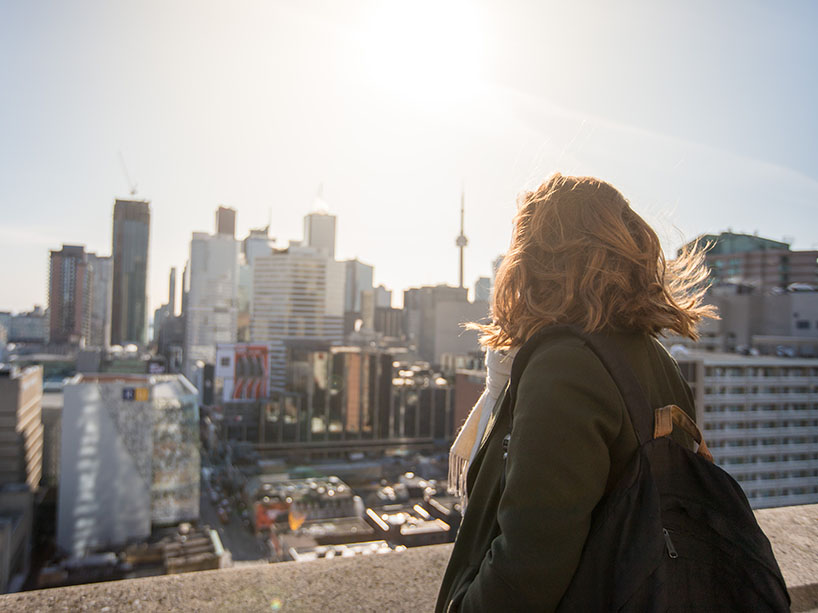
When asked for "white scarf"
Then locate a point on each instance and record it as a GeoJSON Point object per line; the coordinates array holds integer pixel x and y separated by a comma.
{"type": "Point", "coordinates": [498, 370]}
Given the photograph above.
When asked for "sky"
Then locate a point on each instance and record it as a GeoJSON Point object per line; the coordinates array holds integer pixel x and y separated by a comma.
{"type": "Point", "coordinates": [701, 113]}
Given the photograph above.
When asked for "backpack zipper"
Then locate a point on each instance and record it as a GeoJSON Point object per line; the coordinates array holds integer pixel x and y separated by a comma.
{"type": "Point", "coordinates": [671, 550]}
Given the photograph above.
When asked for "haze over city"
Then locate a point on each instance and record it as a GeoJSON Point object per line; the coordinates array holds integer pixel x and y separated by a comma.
{"type": "Point", "coordinates": [700, 113]}
{"type": "Point", "coordinates": [242, 246]}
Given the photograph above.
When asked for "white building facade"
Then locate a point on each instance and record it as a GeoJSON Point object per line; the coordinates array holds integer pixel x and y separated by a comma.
{"type": "Point", "coordinates": [211, 308]}
{"type": "Point", "coordinates": [129, 459]}
{"type": "Point", "coordinates": [298, 293]}
{"type": "Point", "coordinates": [759, 415]}
{"type": "Point", "coordinates": [319, 232]}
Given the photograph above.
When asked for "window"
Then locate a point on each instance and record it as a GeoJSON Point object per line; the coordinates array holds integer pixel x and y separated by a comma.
{"type": "Point", "coordinates": [225, 361]}
{"type": "Point", "coordinates": [802, 324]}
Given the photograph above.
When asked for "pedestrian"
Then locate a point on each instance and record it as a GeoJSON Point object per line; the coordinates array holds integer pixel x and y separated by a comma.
{"type": "Point", "coordinates": [579, 255]}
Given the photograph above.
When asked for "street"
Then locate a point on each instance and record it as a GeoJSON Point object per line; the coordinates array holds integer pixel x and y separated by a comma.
{"type": "Point", "coordinates": [238, 540]}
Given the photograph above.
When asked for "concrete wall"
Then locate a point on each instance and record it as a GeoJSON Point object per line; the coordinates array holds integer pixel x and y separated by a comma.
{"type": "Point", "coordinates": [395, 582]}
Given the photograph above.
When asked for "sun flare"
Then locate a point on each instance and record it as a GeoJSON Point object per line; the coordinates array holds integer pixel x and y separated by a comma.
{"type": "Point", "coordinates": [425, 52]}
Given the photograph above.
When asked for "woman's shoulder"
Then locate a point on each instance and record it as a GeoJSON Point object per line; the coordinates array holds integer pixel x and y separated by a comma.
{"type": "Point", "coordinates": [564, 351]}
{"type": "Point", "coordinates": [560, 343]}
{"type": "Point", "coordinates": [565, 360]}
{"type": "Point", "coordinates": [565, 383]}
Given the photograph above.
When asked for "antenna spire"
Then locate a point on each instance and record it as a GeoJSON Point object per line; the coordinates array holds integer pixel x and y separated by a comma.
{"type": "Point", "coordinates": [461, 240]}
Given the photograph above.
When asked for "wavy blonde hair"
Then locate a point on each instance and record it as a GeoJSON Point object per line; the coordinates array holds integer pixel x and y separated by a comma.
{"type": "Point", "coordinates": [580, 255]}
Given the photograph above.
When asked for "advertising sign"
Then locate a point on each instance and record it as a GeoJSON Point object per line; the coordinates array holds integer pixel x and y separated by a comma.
{"type": "Point", "coordinates": [252, 371]}
{"type": "Point", "coordinates": [138, 394]}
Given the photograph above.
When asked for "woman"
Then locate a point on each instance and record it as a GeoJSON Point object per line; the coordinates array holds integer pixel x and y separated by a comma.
{"type": "Point", "coordinates": [579, 255]}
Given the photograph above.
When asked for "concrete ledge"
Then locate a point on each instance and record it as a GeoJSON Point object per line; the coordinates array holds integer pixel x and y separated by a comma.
{"type": "Point", "coordinates": [406, 581]}
{"type": "Point", "coordinates": [793, 532]}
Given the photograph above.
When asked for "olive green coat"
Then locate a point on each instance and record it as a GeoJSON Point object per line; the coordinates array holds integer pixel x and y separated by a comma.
{"type": "Point", "coordinates": [519, 545]}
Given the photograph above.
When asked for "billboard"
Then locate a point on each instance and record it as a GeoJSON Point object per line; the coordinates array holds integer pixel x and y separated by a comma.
{"type": "Point", "coordinates": [251, 372]}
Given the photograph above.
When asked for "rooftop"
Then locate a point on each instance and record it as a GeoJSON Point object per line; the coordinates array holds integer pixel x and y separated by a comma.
{"type": "Point", "coordinates": [400, 581]}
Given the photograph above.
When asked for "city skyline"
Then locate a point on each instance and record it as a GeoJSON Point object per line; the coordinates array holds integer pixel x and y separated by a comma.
{"type": "Point", "coordinates": [254, 110]}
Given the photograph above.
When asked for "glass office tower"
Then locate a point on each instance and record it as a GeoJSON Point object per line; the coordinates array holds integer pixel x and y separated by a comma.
{"type": "Point", "coordinates": [130, 252]}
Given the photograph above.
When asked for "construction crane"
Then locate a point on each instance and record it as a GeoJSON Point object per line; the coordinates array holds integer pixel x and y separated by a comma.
{"type": "Point", "coordinates": [131, 186]}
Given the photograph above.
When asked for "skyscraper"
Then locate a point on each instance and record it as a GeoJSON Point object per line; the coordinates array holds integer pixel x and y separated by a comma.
{"type": "Point", "coordinates": [212, 301]}
{"type": "Point", "coordinates": [172, 292]}
{"type": "Point", "coordinates": [319, 232]}
{"type": "Point", "coordinates": [226, 221]}
{"type": "Point", "coordinates": [131, 236]}
{"type": "Point", "coordinates": [101, 273]}
{"type": "Point", "coordinates": [167, 311]}
{"type": "Point", "coordinates": [298, 293]}
{"type": "Point", "coordinates": [69, 295]}
{"type": "Point", "coordinates": [358, 279]}
{"type": "Point", "coordinates": [258, 242]}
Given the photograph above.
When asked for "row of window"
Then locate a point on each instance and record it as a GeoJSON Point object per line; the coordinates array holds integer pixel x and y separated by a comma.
{"type": "Point", "coordinates": [764, 389]}
{"type": "Point", "coordinates": [773, 440]}
{"type": "Point", "coordinates": [761, 406]}
{"type": "Point", "coordinates": [767, 459]}
{"type": "Point", "coordinates": [785, 491]}
{"type": "Point", "coordinates": [745, 425]}
{"type": "Point", "coordinates": [761, 371]}
{"type": "Point", "coordinates": [797, 474]}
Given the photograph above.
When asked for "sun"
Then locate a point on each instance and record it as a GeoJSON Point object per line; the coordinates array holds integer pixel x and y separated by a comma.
{"type": "Point", "coordinates": [428, 53]}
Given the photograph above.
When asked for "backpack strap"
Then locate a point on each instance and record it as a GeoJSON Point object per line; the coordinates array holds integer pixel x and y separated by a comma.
{"type": "Point", "coordinates": [665, 418]}
{"type": "Point", "coordinates": [636, 402]}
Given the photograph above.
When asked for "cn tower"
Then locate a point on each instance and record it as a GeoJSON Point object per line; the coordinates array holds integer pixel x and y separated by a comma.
{"type": "Point", "coordinates": [462, 241]}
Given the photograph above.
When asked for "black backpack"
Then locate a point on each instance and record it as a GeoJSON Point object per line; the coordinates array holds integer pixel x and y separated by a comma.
{"type": "Point", "coordinates": [676, 533]}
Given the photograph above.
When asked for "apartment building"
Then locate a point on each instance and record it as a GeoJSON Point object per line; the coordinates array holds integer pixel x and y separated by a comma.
{"type": "Point", "coordinates": [759, 415]}
{"type": "Point", "coordinates": [298, 293]}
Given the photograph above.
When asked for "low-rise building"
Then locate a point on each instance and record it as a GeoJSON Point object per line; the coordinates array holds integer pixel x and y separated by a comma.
{"type": "Point", "coordinates": [172, 551]}
{"type": "Point", "coordinates": [319, 552]}
{"type": "Point", "coordinates": [342, 399]}
{"type": "Point", "coordinates": [278, 500]}
{"type": "Point", "coordinates": [409, 526]}
{"type": "Point", "coordinates": [129, 459]}
{"type": "Point", "coordinates": [30, 327]}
